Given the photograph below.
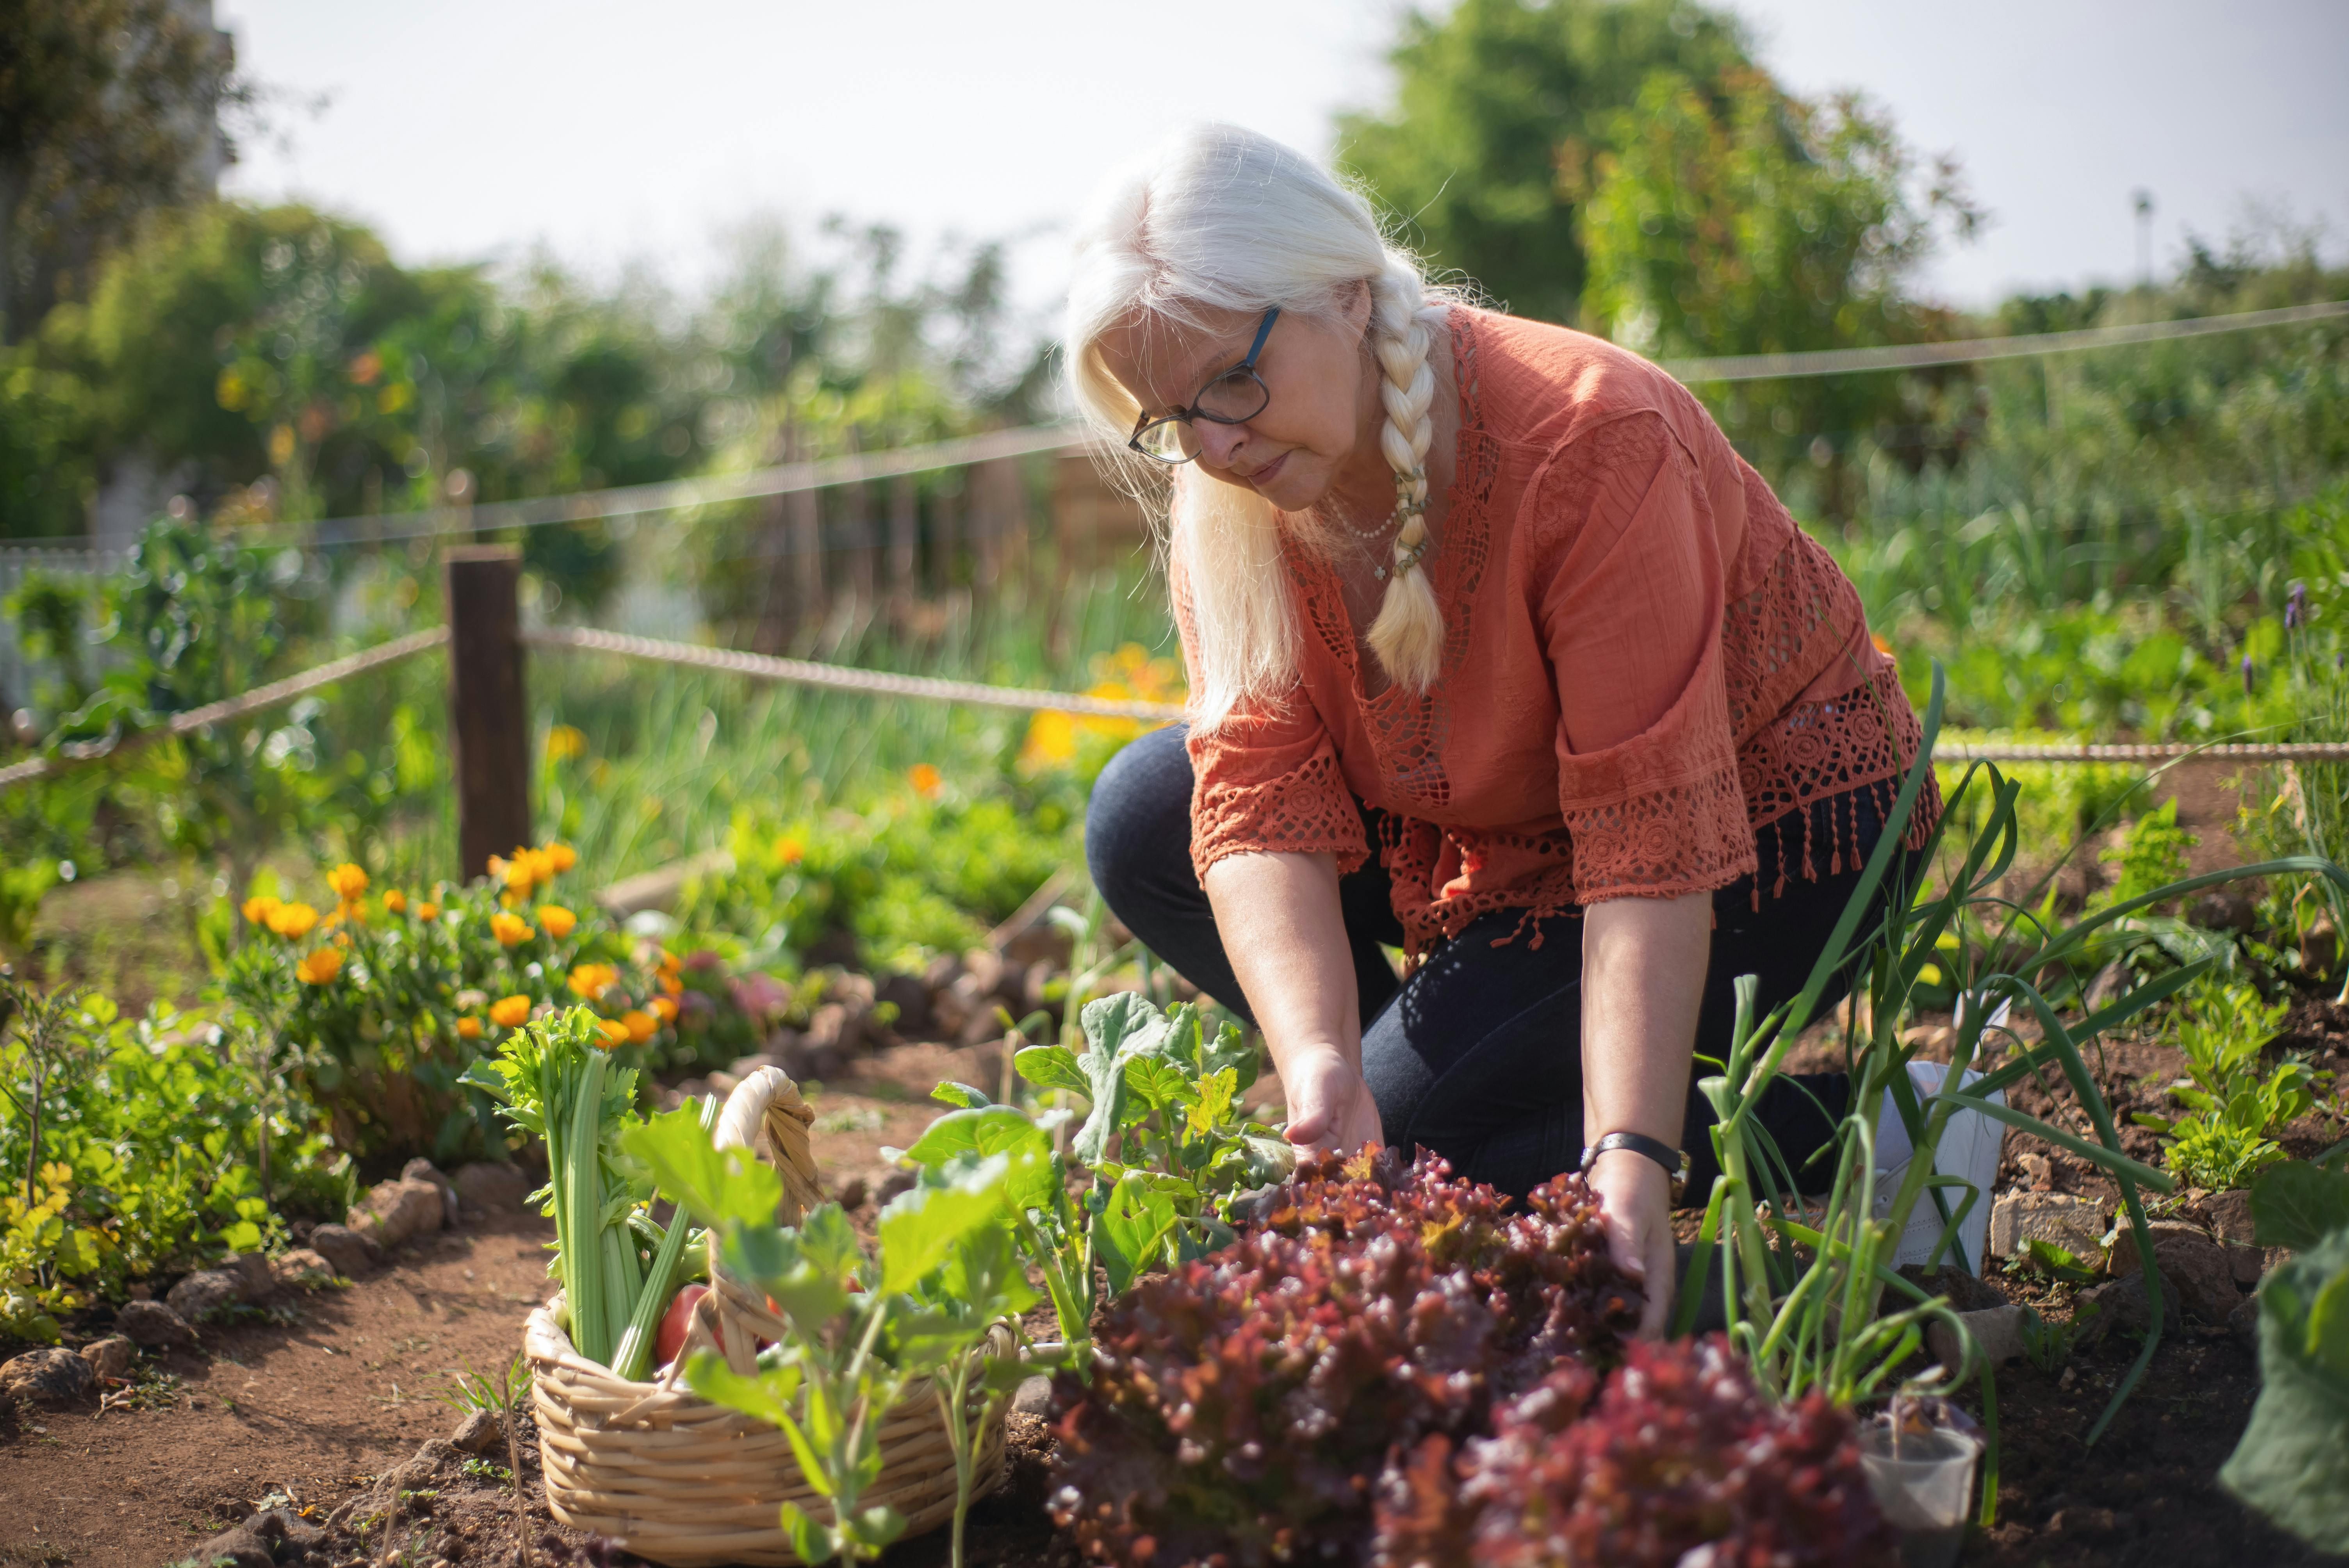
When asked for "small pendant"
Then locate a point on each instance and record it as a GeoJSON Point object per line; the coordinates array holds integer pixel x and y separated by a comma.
{"type": "Point", "coordinates": [1379, 572]}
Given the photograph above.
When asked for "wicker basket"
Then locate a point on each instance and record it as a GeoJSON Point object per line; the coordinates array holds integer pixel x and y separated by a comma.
{"type": "Point", "coordinates": [685, 1482]}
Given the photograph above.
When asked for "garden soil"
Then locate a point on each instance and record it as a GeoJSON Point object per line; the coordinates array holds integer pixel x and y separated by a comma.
{"type": "Point", "coordinates": [340, 1401]}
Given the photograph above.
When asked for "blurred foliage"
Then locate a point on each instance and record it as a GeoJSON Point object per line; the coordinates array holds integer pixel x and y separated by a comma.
{"type": "Point", "coordinates": [1484, 158]}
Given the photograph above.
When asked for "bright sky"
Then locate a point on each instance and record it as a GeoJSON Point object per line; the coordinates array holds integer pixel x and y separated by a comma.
{"type": "Point", "coordinates": [614, 133]}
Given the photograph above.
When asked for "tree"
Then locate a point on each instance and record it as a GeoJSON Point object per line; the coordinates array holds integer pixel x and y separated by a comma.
{"type": "Point", "coordinates": [107, 108]}
{"type": "Point", "coordinates": [1500, 106]}
{"type": "Point", "coordinates": [1744, 221]}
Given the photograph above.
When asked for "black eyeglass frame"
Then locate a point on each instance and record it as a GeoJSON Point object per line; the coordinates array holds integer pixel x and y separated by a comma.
{"type": "Point", "coordinates": [1145, 424]}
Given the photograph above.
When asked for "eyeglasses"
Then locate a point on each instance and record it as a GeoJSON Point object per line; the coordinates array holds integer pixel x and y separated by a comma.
{"type": "Point", "coordinates": [1234, 397]}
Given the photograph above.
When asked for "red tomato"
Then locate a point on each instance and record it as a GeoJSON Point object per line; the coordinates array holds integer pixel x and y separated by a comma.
{"type": "Point", "coordinates": [674, 1323]}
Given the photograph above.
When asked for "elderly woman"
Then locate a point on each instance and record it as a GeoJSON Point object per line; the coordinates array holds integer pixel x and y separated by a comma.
{"type": "Point", "coordinates": [1500, 655]}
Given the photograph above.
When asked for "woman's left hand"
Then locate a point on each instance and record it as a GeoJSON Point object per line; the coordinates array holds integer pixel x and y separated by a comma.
{"type": "Point", "coordinates": [1635, 1199]}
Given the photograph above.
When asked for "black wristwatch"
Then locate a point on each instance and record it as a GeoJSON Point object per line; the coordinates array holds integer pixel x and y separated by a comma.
{"type": "Point", "coordinates": [1675, 1161]}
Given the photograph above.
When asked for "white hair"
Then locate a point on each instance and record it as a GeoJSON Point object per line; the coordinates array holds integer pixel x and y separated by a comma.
{"type": "Point", "coordinates": [1222, 220]}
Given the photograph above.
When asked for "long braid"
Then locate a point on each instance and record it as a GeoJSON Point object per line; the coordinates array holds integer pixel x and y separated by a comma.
{"type": "Point", "coordinates": [1408, 635]}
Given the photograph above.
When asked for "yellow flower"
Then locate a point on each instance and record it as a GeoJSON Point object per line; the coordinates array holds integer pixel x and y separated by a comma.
{"type": "Point", "coordinates": [259, 908]}
{"type": "Point", "coordinates": [924, 780]}
{"type": "Point", "coordinates": [566, 741]}
{"type": "Point", "coordinates": [395, 902]}
{"type": "Point", "coordinates": [292, 920]}
{"type": "Point", "coordinates": [789, 852]}
{"type": "Point", "coordinates": [348, 881]}
{"type": "Point", "coordinates": [510, 1012]}
{"type": "Point", "coordinates": [665, 1008]}
{"type": "Point", "coordinates": [614, 1032]}
{"type": "Point", "coordinates": [428, 910]}
{"type": "Point", "coordinates": [468, 1028]}
{"type": "Point", "coordinates": [1052, 740]}
{"type": "Point", "coordinates": [560, 857]}
{"type": "Point", "coordinates": [320, 966]}
{"type": "Point", "coordinates": [589, 981]}
{"type": "Point", "coordinates": [641, 1027]}
{"type": "Point", "coordinates": [556, 921]}
{"type": "Point", "coordinates": [510, 931]}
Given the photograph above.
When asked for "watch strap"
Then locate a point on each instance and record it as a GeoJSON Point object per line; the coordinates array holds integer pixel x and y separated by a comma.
{"type": "Point", "coordinates": [1675, 1161]}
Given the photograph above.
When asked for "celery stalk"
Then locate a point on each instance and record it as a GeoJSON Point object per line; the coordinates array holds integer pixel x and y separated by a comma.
{"type": "Point", "coordinates": [633, 1360]}
{"type": "Point", "coordinates": [582, 1259]}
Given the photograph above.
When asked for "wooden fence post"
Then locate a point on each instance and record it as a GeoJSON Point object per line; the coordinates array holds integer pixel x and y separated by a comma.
{"type": "Point", "coordinates": [488, 721]}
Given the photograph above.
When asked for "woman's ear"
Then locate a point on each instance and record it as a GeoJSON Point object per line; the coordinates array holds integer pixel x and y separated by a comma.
{"type": "Point", "coordinates": [1354, 303]}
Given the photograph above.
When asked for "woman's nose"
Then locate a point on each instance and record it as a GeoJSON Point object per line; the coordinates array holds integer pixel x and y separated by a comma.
{"type": "Point", "coordinates": [1218, 444]}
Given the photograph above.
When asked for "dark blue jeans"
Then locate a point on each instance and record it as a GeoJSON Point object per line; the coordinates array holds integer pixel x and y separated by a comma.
{"type": "Point", "coordinates": [1478, 1056]}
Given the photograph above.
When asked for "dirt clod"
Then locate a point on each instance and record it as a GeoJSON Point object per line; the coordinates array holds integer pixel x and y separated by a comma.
{"type": "Point", "coordinates": [480, 1432]}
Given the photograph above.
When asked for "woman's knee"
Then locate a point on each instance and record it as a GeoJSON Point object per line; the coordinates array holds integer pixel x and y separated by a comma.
{"type": "Point", "coordinates": [1138, 821]}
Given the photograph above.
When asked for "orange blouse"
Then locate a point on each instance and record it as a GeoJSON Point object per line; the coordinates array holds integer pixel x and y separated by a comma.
{"type": "Point", "coordinates": [1646, 662]}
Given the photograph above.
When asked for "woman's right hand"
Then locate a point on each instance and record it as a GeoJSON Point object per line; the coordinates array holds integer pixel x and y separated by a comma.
{"type": "Point", "coordinates": [1329, 1105]}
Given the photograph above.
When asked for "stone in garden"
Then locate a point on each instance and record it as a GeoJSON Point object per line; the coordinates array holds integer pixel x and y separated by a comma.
{"type": "Point", "coordinates": [2223, 909]}
{"type": "Point", "coordinates": [480, 1432]}
{"type": "Point", "coordinates": [2082, 1521]}
{"type": "Point", "coordinates": [832, 1034]}
{"type": "Point", "coordinates": [254, 1275]}
{"type": "Point", "coordinates": [2231, 1221]}
{"type": "Point", "coordinates": [983, 967]}
{"type": "Point", "coordinates": [1997, 1331]}
{"type": "Point", "coordinates": [2075, 1225]}
{"type": "Point", "coordinates": [1034, 1397]}
{"type": "Point", "coordinates": [2198, 1266]}
{"type": "Point", "coordinates": [2244, 1323]}
{"type": "Point", "coordinates": [50, 1377]}
{"type": "Point", "coordinates": [206, 1294]}
{"type": "Point", "coordinates": [425, 1171]}
{"type": "Point", "coordinates": [111, 1357]}
{"type": "Point", "coordinates": [492, 1184]}
{"type": "Point", "coordinates": [1044, 940]}
{"type": "Point", "coordinates": [152, 1325]}
{"type": "Point", "coordinates": [913, 1003]}
{"type": "Point", "coordinates": [263, 1542]}
{"type": "Point", "coordinates": [2121, 1305]}
{"type": "Point", "coordinates": [303, 1268]}
{"type": "Point", "coordinates": [350, 1254]}
{"type": "Point", "coordinates": [400, 1209]}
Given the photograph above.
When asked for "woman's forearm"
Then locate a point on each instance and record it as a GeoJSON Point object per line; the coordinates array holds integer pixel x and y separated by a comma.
{"type": "Point", "coordinates": [1282, 928]}
{"type": "Point", "coordinates": [1643, 964]}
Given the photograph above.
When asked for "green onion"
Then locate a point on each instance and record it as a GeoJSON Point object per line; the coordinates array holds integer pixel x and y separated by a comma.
{"type": "Point", "coordinates": [633, 1360]}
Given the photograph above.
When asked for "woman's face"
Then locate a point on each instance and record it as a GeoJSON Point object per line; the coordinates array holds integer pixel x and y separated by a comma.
{"type": "Point", "coordinates": [1315, 367]}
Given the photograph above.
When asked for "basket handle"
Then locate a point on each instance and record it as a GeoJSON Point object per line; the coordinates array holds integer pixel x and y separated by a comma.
{"type": "Point", "coordinates": [766, 1115]}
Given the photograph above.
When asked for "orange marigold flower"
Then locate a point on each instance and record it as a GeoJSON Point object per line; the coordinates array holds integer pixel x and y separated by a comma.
{"type": "Point", "coordinates": [292, 920]}
{"type": "Point", "coordinates": [510, 931]}
{"type": "Point", "coordinates": [469, 1027]}
{"type": "Point", "coordinates": [924, 780]}
{"type": "Point", "coordinates": [665, 1009]}
{"type": "Point", "coordinates": [259, 908]}
{"type": "Point", "coordinates": [614, 1032]}
{"type": "Point", "coordinates": [395, 902]}
{"type": "Point", "coordinates": [1882, 646]}
{"type": "Point", "coordinates": [670, 983]}
{"type": "Point", "coordinates": [428, 910]}
{"type": "Point", "coordinates": [510, 1012]}
{"type": "Point", "coordinates": [318, 967]}
{"type": "Point", "coordinates": [788, 851]}
{"type": "Point", "coordinates": [589, 981]}
{"type": "Point", "coordinates": [560, 857]}
{"type": "Point", "coordinates": [556, 921]}
{"type": "Point", "coordinates": [641, 1027]}
{"type": "Point", "coordinates": [348, 881]}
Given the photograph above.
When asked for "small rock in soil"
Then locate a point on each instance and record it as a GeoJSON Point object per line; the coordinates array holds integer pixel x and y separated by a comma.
{"type": "Point", "coordinates": [480, 1432]}
{"type": "Point", "coordinates": [261, 1541]}
{"type": "Point", "coordinates": [205, 1293]}
{"type": "Point", "coordinates": [852, 1193]}
{"type": "Point", "coordinates": [832, 1035]}
{"type": "Point", "coordinates": [891, 1184]}
{"type": "Point", "coordinates": [350, 1254]}
{"type": "Point", "coordinates": [2198, 1266]}
{"type": "Point", "coordinates": [255, 1279]}
{"type": "Point", "coordinates": [399, 1209]}
{"type": "Point", "coordinates": [425, 1171]}
{"type": "Point", "coordinates": [492, 1184]}
{"type": "Point", "coordinates": [1967, 1292]}
{"type": "Point", "coordinates": [111, 1358]}
{"type": "Point", "coordinates": [2075, 1225]}
{"type": "Point", "coordinates": [151, 1324]}
{"type": "Point", "coordinates": [1034, 1397]}
{"type": "Point", "coordinates": [913, 1000]}
{"type": "Point", "coordinates": [1997, 1331]}
{"type": "Point", "coordinates": [2230, 1218]}
{"type": "Point", "coordinates": [2082, 1521]}
{"type": "Point", "coordinates": [2122, 1304]}
{"type": "Point", "coordinates": [303, 1268]}
{"type": "Point", "coordinates": [2244, 1321]}
{"type": "Point", "coordinates": [50, 1377]}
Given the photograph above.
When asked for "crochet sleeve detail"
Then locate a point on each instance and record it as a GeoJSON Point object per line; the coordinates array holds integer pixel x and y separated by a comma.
{"type": "Point", "coordinates": [1649, 782]}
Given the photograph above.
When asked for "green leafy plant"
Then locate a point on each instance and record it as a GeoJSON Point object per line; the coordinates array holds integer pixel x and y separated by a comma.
{"type": "Point", "coordinates": [2047, 1343]}
{"type": "Point", "coordinates": [861, 1328]}
{"type": "Point", "coordinates": [2232, 1106]}
{"type": "Point", "coordinates": [2292, 1463]}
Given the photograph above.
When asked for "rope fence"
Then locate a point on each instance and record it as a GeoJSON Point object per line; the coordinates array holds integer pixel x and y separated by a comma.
{"type": "Point", "coordinates": [924, 688]}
